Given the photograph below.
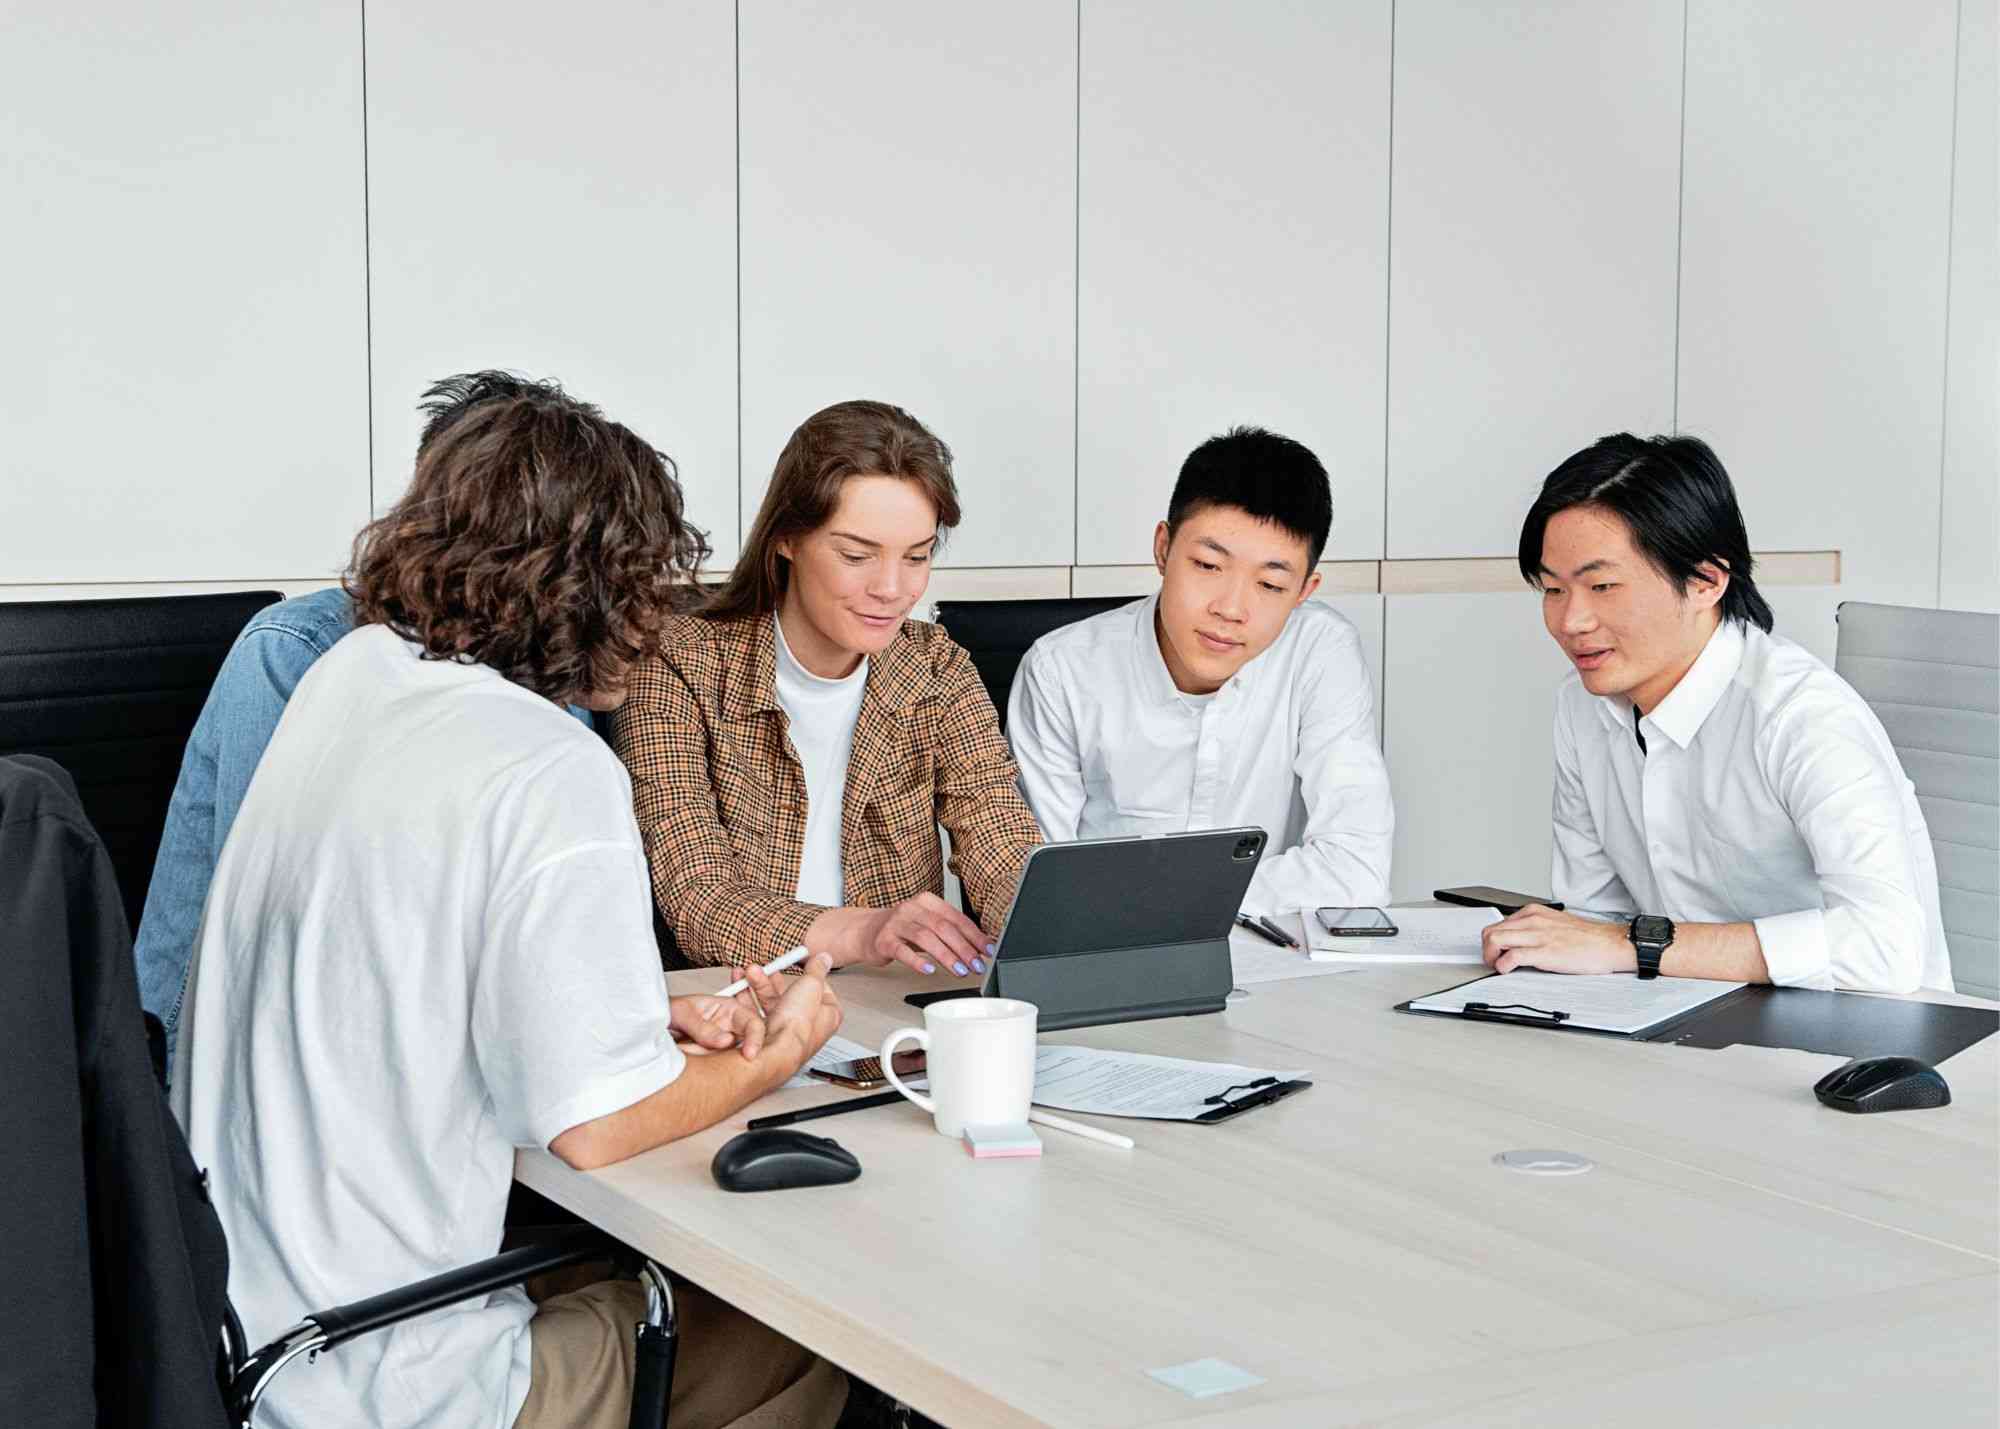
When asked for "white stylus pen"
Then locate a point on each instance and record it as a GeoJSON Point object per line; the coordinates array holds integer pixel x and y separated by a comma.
{"type": "Point", "coordinates": [789, 960]}
{"type": "Point", "coordinates": [1077, 1128]}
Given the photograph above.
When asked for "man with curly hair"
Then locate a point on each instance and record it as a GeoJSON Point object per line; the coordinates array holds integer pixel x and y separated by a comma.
{"type": "Point", "coordinates": [265, 664]}
{"type": "Point", "coordinates": [428, 942]}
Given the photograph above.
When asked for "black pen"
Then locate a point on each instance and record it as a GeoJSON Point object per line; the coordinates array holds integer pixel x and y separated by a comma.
{"type": "Point", "coordinates": [1244, 920]}
{"type": "Point", "coordinates": [814, 1113]}
{"type": "Point", "coordinates": [1282, 936]}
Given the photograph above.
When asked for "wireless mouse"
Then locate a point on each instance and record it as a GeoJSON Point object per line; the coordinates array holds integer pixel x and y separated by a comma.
{"type": "Point", "coordinates": [1883, 1084]}
{"type": "Point", "coordinates": [778, 1158]}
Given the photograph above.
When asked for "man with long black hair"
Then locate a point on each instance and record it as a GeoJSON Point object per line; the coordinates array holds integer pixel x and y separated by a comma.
{"type": "Point", "coordinates": [1729, 798]}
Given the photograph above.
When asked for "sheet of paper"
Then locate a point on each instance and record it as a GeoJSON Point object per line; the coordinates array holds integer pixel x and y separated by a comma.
{"type": "Point", "coordinates": [1252, 960]}
{"type": "Point", "coordinates": [1613, 1002]}
{"type": "Point", "coordinates": [1423, 935]}
{"type": "Point", "coordinates": [837, 1049]}
{"type": "Point", "coordinates": [1136, 1083]}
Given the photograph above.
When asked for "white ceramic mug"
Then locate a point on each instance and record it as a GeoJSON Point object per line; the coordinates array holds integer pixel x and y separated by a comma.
{"type": "Point", "coordinates": [979, 1053]}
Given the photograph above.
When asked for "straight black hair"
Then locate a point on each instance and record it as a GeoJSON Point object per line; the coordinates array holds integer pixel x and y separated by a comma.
{"type": "Point", "coordinates": [1270, 477]}
{"type": "Point", "coordinates": [1675, 498]}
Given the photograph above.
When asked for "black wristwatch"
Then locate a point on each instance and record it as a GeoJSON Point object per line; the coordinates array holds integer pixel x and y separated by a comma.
{"type": "Point", "coordinates": [1651, 935]}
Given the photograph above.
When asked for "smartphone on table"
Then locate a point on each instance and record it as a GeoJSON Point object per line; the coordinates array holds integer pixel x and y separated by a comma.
{"type": "Point", "coordinates": [865, 1073]}
{"type": "Point", "coordinates": [1353, 923]}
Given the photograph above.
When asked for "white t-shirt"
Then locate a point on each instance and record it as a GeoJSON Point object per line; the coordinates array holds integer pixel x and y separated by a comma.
{"type": "Point", "coordinates": [429, 941]}
{"type": "Point", "coordinates": [822, 715]}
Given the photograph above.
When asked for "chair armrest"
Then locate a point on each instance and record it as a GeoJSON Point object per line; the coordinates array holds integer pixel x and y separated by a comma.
{"type": "Point", "coordinates": [571, 1246]}
{"type": "Point", "coordinates": [323, 1329]}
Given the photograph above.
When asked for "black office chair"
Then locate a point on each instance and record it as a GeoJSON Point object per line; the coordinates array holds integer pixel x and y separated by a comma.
{"type": "Point", "coordinates": [110, 690]}
{"type": "Point", "coordinates": [997, 633]}
{"type": "Point", "coordinates": [117, 1264]}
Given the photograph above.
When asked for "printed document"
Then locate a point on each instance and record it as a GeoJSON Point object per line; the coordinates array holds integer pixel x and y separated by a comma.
{"type": "Point", "coordinates": [1608, 1002]}
{"type": "Point", "coordinates": [1137, 1084]}
{"type": "Point", "coordinates": [1423, 935]}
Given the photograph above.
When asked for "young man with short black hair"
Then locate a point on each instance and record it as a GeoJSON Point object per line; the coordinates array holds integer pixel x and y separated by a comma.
{"type": "Point", "coordinates": [1228, 699]}
{"type": "Point", "coordinates": [1732, 801]}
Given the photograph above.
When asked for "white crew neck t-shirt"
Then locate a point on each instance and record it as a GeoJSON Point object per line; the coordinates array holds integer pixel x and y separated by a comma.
{"type": "Point", "coordinates": [428, 942]}
{"type": "Point", "coordinates": [822, 714]}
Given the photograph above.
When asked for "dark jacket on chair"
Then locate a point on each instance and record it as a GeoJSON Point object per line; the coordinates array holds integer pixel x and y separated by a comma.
{"type": "Point", "coordinates": [112, 1259]}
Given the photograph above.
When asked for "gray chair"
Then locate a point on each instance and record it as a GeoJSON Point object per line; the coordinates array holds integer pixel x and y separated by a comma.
{"type": "Point", "coordinates": [1933, 679]}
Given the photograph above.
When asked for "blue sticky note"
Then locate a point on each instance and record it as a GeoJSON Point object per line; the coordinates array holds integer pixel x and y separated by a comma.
{"type": "Point", "coordinates": [1204, 1379]}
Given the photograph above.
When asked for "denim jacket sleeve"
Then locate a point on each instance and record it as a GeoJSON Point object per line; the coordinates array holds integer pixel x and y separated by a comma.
{"type": "Point", "coordinates": [262, 669]}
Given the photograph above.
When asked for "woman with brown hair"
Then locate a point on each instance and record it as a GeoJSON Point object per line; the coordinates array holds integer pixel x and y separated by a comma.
{"type": "Point", "coordinates": [796, 744]}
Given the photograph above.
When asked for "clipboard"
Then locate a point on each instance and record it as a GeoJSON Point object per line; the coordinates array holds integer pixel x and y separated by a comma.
{"type": "Point", "coordinates": [1842, 1024]}
{"type": "Point", "coordinates": [1261, 1092]}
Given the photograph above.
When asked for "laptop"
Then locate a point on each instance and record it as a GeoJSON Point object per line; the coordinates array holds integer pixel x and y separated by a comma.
{"type": "Point", "coordinates": [1122, 929]}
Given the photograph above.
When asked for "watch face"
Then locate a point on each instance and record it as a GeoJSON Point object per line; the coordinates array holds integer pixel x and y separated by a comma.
{"type": "Point", "coordinates": [1648, 928]}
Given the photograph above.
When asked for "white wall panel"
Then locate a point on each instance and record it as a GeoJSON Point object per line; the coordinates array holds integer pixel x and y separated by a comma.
{"type": "Point", "coordinates": [1813, 273]}
{"type": "Point", "coordinates": [559, 199]}
{"type": "Point", "coordinates": [1233, 257]}
{"type": "Point", "coordinates": [1469, 703]}
{"type": "Point", "coordinates": [1969, 554]}
{"type": "Point", "coordinates": [183, 384]}
{"type": "Point", "coordinates": [1536, 154]}
{"type": "Point", "coordinates": [908, 234]}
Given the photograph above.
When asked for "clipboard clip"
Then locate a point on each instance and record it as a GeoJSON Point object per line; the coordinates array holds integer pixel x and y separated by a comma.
{"type": "Point", "coordinates": [1261, 1092]}
{"type": "Point", "coordinates": [1511, 1012]}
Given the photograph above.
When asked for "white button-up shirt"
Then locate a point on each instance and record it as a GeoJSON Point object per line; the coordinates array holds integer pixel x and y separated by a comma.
{"type": "Point", "coordinates": [1108, 746]}
{"type": "Point", "coordinates": [1767, 793]}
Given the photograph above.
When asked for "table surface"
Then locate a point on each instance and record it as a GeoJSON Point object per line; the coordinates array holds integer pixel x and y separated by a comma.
{"type": "Point", "coordinates": [1739, 1254]}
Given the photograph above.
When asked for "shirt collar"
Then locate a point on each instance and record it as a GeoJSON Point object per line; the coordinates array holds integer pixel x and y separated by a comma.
{"type": "Point", "coordinates": [1155, 682]}
{"type": "Point", "coordinates": [1688, 705]}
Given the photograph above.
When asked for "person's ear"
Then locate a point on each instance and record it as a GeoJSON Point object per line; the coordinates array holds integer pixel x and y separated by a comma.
{"type": "Point", "coordinates": [1710, 584]}
{"type": "Point", "coordinates": [1162, 539]}
{"type": "Point", "coordinates": [783, 548]}
{"type": "Point", "coordinates": [1306, 590]}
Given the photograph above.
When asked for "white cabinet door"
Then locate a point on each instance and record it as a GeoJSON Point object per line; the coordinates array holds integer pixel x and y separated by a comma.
{"type": "Point", "coordinates": [909, 235]}
{"type": "Point", "coordinates": [1468, 704]}
{"type": "Point", "coordinates": [558, 198]}
{"type": "Point", "coordinates": [1969, 557]}
{"type": "Point", "coordinates": [1233, 179]}
{"type": "Point", "coordinates": [1813, 257]}
{"type": "Point", "coordinates": [1532, 217]}
{"type": "Point", "coordinates": [183, 382]}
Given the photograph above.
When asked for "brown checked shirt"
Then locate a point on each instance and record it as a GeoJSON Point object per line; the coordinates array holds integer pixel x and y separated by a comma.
{"type": "Point", "coordinates": [721, 795]}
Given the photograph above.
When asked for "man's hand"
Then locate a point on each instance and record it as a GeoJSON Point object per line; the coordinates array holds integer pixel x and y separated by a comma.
{"type": "Point", "coordinates": [803, 1015]}
{"type": "Point", "coordinates": [924, 932]}
{"type": "Point", "coordinates": [702, 1023]}
{"type": "Point", "coordinates": [1539, 937]}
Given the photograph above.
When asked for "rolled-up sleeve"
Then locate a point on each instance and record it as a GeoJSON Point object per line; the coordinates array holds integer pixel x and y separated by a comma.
{"type": "Point", "coordinates": [1846, 801]}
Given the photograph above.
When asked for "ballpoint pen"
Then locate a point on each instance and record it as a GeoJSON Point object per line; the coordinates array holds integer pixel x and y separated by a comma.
{"type": "Point", "coordinates": [1244, 920]}
{"type": "Point", "coordinates": [1282, 936]}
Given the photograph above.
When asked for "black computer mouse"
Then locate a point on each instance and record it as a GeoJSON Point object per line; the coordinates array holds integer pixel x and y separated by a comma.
{"type": "Point", "coordinates": [778, 1158]}
{"type": "Point", "coordinates": [1883, 1084]}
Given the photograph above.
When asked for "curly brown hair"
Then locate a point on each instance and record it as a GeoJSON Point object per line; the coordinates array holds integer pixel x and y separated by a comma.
{"type": "Point", "coordinates": [537, 538]}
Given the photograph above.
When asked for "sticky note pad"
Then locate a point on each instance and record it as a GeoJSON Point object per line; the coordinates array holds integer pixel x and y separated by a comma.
{"type": "Point", "coordinates": [1204, 1379]}
{"type": "Point", "coordinates": [1015, 1140]}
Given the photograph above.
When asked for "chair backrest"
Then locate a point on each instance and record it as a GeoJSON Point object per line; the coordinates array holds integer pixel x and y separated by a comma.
{"type": "Point", "coordinates": [1933, 679]}
{"type": "Point", "coordinates": [110, 690]}
{"type": "Point", "coordinates": [997, 633]}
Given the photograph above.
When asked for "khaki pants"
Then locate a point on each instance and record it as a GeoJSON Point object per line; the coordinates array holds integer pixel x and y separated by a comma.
{"type": "Point", "coordinates": [731, 1370]}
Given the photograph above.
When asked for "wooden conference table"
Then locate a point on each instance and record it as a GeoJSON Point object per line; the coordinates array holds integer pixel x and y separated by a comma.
{"type": "Point", "coordinates": [1739, 1254]}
